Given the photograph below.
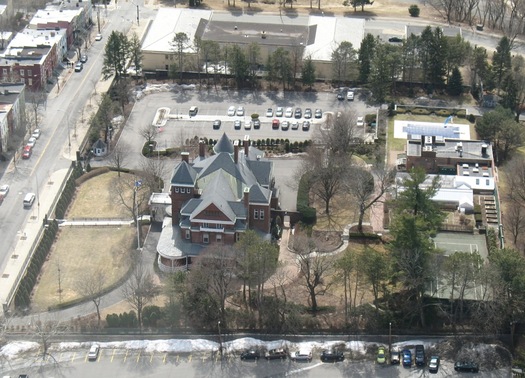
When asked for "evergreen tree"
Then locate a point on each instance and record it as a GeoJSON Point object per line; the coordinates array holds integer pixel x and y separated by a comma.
{"type": "Point", "coordinates": [501, 60]}
{"type": "Point", "coordinates": [455, 83]}
{"type": "Point", "coordinates": [366, 54]}
{"type": "Point", "coordinates": [116, 54]}
{"type": "Point", "coordinates": [308, 72]}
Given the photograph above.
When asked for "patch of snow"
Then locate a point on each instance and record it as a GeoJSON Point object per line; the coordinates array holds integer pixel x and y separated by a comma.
{"type": "Point", "coordinates": [12, 350]}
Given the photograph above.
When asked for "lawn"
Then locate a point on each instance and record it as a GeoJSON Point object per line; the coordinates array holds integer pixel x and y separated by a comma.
{"type": "Point", "coordinates": [96, 198]}
{"type": "Point", "coordinates": [80, 251]}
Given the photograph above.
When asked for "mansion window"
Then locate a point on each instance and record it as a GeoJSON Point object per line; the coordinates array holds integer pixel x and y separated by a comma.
{"type": "Point", "coordinates": [29, 73]}
{"type": "Point", "coordinates": [22, 72]}
{"type": "Point", "coordinates": [4, 71]}
{"type": "Point", "coordinates": [256, 214]}
{"type": "Point", "coordinates": [237, 236]}
{"type": "Point", "coordinates": [176, 190]}
{"type": "Point", "coordinates": [188, 234]}
{"type": "Point", "coordinates": [218, 238]}
{"type": "Point", "coordinates": [206, 225]}
{"type": "Point", "coordinates": [261, 214]}
{"type": "Point", "coordinates": [205, 238]}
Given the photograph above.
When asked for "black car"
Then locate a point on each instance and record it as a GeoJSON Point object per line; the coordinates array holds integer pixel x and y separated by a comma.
{"type": "Point", "coordinates": [256, 123]}
{"type": "Point", "coordinates": [306, 125]}
{"type": "Point", "coordinates": [332, 356]}
{"type": "Point", "coordinates": [395, 39]}
{"type": "Point", "coordinates": [83, 58]}
{"type": "Point", "coordinates": [433, 365]}
{"type": "Point", "coordinates": [466, 366]}
{"type": "Point", "coordinates": [250, 355]}
{"type": "Point", "coordinates": [217, 124]}
{"type": "Point", "coordinates": [340, 96]}
{"type": "Point", "coordinates": [420, 356]}
{"type": "Point", "coordinates": [308, 113]}
{"type": "Point", "coordinates": [298, 113]}
{"type": "Point", "coordinates": [275, 354]}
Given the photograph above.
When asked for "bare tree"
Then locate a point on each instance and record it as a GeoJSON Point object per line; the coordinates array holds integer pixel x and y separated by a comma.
{"type": "Point", "coordinates": [119, 156]}
{"type": "Point", "coordinates": [45, 331]}
{"type": "Point", "coordinates": [140, 289]}
{"type": "Point", "coordinates": [368, 187]}
{"type": "Point", "coordinates": [313, 267]}
{"type": "Point", "coordinates": [36, 99]}
{"type": "Point", "coordinates": [91, 285]}
{"type": "Point", "coordinates": [149, 132]}
{"type": "Point", "coordinates": [514, 218]}
{"type": "Point", "coordinates": [154, 171]}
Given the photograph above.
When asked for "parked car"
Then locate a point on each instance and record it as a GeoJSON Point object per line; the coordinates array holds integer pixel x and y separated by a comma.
{"type": "Point", "coordinates": [279, 112]}
{"type": "Point", "coordinates": [193, 111]}
{"type": "Point", "coordinates": [433, 365]}
{"type": "Point", "coordinates": [78, 67]}
{"type": "Point", "coordinates": [26, 153]}
{"type": "Point", "coordinates": [36, 133]}
{"type": "Point", "coordinates": [307, 113]}
{"type": "Point", "coordinates": [360, 122]}
{"type": "Point", "coordinates": [318, 113]}
{"type": "Point", "coordinates": [4, 189]}
{"type": "Point", "coordinates": [256, 124]}
{"type": "Point", "coordinates": [250, 355]}
{"type": "Point", "coordinates": [381, 356]}
{"type": "Point", "coordinates": [93, 352]}
{"type": "Point", "coordinates": [395, 358]}
{"type": "Point", "coordinates": [350, 95]}
{"type": "Point", "coordinates": [340, 96]}
{"type": "Point", "coordinates": [217, 124]}
{"type": "Point", "coordinates": [466, 366]}
{"type": "Point", "coordinates": [302, 356]}
{"type": "Point", "coordinates": [332, 356]}
{"type": "Point", "coordinates": [22, 376]}
{"type": "Point", "coordinates": [295, 125]}
{"type": "Point", "coordinates": [298, 113]}
{"type": "Point", "coordinates": [269, 112]}
{"type": "Point", "coordinates": [285, 125]}
{"type": "Point", "coordinates": [275, 124]}
{"type": "Point", "coordinates": [237, 124]}
{"type": "Point", "coordinates": [275, 354]}
{"type": "Point", "coordinates": [29, 199]}
{"type": "Point", "coordinates": [407, 358]}
{"type": "Point", "coordinates": [248, 125]}
{"type": "Point", "coordinates": [395, 39]}
{"type": "Point", "coordinates": [306, 125]}
{"type": "Point", "coordinates": [288, 113]}
{"type": "Point", "coordinates": [420, 356]}
{"type": "Point", "coordinates": [83, 58]}
{"type": "Point", "coordinates": [240, 111]}
{"type": "Point", "coordinates": [231, 111]}
{"type": "Point", "coordinates": [31, 141]}
{"type": "Point", "coordinates": [98, 37]}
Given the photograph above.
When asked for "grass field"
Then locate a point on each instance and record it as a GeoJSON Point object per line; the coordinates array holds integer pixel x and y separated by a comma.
{"type": "Point", "coordinates": [96, 198]}
{"type": "Point", "coordinates": [81, 251]}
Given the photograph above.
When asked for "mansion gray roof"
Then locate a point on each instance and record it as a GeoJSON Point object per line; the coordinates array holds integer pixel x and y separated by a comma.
{"type": "Point", "coordinates": [184, 175]}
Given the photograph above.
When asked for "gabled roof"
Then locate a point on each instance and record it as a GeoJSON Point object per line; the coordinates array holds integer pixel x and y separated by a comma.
{"type": "Point", "coordinates": [262, 170]}
{"type": "Point", "coordinates": [183, 174]}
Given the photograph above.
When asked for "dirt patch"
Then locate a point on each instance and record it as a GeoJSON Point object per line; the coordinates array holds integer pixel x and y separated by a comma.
{"type": "Point", "coordinates": [77, 252]}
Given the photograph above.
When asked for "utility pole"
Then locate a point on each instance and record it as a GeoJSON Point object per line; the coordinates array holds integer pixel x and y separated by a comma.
{"type": "Point", "coordinates": [138, 18]}
{"type": "Point", "coordinates": [98, 18]}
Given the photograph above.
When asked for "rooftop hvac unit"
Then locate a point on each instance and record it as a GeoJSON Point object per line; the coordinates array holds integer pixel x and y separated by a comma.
{"type": "Point", "coordinates": [428, 140]}
{"type": "Point", "coordinates": [427, 148]}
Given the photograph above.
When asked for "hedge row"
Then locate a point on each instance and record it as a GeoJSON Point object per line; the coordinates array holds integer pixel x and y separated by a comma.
{"type": "Point", "coordinates": [461, 113]}
{"type": "Point", "coordinates": [92, 173]}
{"type": "Point", "coordinates": [124, 320]}
{"type": "Point", "coordinates": [23, 293]}
{"type": "Point", "coordinates": [308, 213]}
{"type": "Point", "coordinates": [68, 192]}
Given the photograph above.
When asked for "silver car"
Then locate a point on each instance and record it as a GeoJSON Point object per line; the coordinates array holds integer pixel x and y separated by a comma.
{"type": "Point", "coordinates": [288, 113]}
{"type": "Point", "coordinates": [279, 112]}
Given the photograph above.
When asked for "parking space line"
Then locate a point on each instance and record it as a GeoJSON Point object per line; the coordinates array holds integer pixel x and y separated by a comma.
{"type": "Point", "coordinates": [189, 358]}
{"type": "Point", "coordinates": [138, 357]}
{"type": "Point", "coordinates": [86, 358]}
{"type": "Point", "coordinates": [126, 356]}
{"type": "Point", "coordinates": [151, 358]}
{"type": "Point", "coordinates": [164, 359]}
{"type": "Point", "coordinates": [73, 356]}
{"type": "Point", "coordinates": [113, 355]}
{"type": "Point", "coordinates": [177, 359]}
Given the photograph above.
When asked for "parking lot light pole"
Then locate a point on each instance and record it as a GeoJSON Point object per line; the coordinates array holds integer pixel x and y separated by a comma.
{"type": "Point", "coordinates": [389, 338]}
{"type": "Point", "coordinates": [220, 337]}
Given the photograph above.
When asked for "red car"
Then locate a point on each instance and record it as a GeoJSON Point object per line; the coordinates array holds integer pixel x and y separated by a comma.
{"type": "Point", "coordinates": [26, 154]}
{"type": "Point", "coordinates": [275, 124]}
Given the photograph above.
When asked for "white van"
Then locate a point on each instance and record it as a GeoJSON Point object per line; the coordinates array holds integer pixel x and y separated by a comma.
{"type": "Point", "coordinates": [193, 111]}
{"type": "Point", "coordinates": [29, 199]}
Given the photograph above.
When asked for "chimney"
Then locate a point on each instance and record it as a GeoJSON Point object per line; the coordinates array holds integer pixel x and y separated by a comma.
{"type": "Point", "coordinates": [246, 199]}
{"type": "Point", "coordinates": [185, 156]}
{"type": "Point", "coordinates": [246, 146]}
{"type": "Point", "coordinates": [202, 148]}
{"type": "Point", "coordinates": [236, 151]}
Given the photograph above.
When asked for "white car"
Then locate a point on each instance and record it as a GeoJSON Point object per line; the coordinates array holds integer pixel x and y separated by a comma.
{"type": "Point", "coordinates": [4, 189]}
{"type": "Point", "coordinates": [248, 125]}
{"type": "Point", "coordinates": [231, 111]}
{"type": "Point", "coordinates": [279, 112]}
{"type": "Point", "coordinates": [350, 96]}
{"type": "Point", "coordinates": [360, 121]}
{"type": "Point", "coordinates": [31, 142]}
{"type": "Point", "coordinates": [288, 113]}
{"type": "Point", "coordinates": [240, 111]}
{"type": "Point", "coordinates": [98, 37]}
{"type": "Point", "coordinates": [93, 352]}
{"type": "Point", "coordinates": [269, 112]}
{"type": "Point", "coordinates": [36, 133]}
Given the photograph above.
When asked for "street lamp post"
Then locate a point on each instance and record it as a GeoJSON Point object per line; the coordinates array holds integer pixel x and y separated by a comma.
{"type": "Point", "coordinates": [220, 337]}
{"type": "Point", "coordinates": [389, 337]}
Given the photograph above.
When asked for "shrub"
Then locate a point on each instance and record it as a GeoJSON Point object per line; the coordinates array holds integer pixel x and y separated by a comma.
{"type": "Point", "coordinates": [308, 213]}
{"type": "Point", "coordinates": [462, 113]}
{"type": "Point", "coordinates": [414, 10]}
